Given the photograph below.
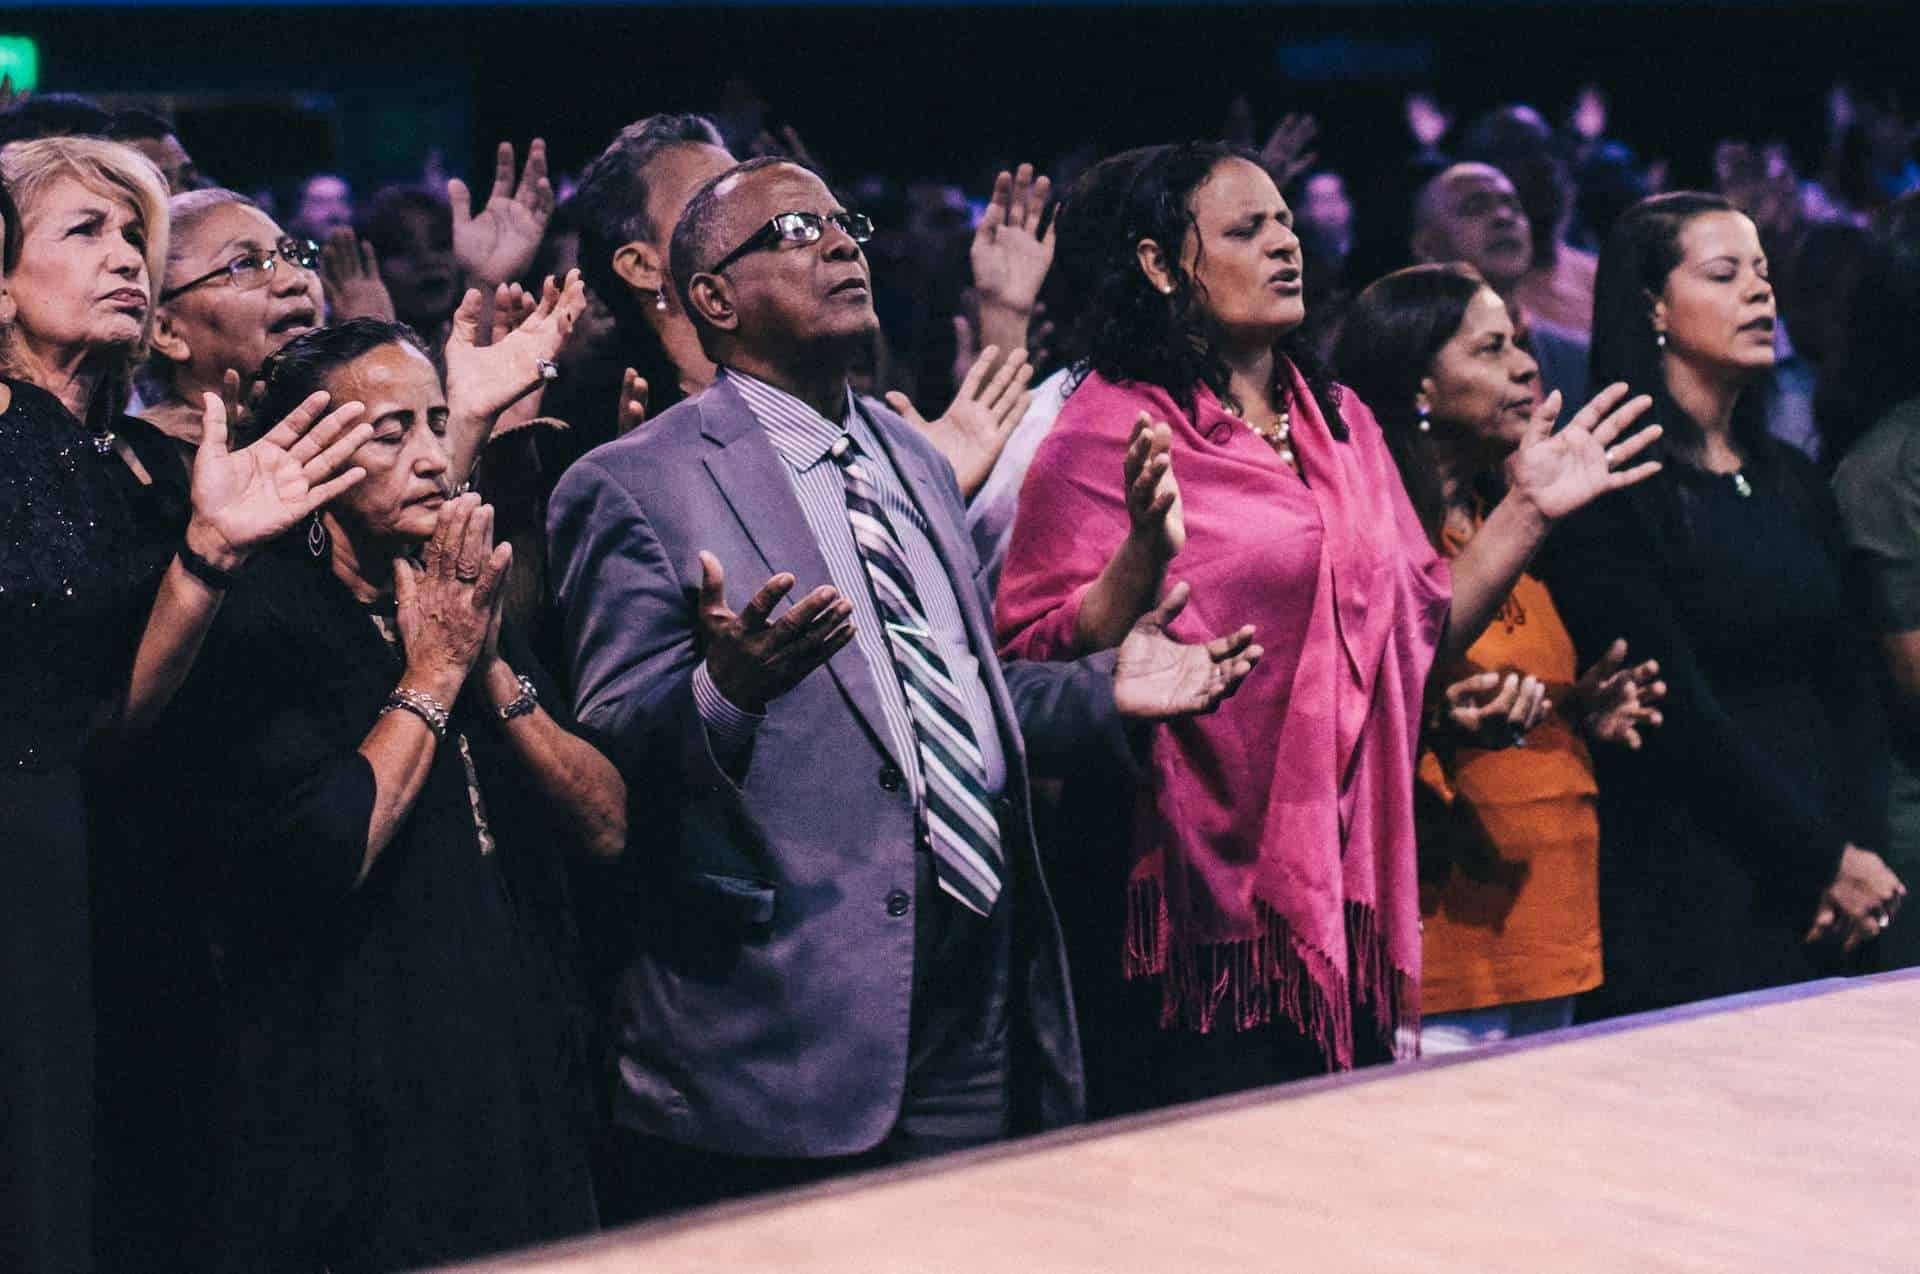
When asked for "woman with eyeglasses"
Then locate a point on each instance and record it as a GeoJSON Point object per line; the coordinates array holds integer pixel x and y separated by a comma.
{"type": "Point", "coordinates": [113, 562]}
{"type": "Point", "coordinates": [236, 289]}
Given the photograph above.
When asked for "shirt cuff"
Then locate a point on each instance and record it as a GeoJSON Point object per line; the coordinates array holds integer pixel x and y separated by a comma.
{"type": "Point", "coordinates": [730, 729]}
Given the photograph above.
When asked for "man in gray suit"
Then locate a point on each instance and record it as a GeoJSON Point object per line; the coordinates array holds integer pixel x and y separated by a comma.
{"type": "Point", "coordinates": [849, 956]}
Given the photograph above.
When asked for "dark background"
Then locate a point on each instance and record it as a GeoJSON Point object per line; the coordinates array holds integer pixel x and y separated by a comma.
{"type": "Point", "coordinates": [265, 94]}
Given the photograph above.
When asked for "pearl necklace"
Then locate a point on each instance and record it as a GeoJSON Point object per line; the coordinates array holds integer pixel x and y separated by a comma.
{"type": "Point", "coordinates": [1278, 435]}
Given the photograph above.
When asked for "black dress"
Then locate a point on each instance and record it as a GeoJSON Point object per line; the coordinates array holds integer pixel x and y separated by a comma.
{"type": "Point", "coordinates": [83, 544]}
{"type": "Point", "coordinates": [403, 1065]}
{"type": "Point", "coordinates": [1718, 837]}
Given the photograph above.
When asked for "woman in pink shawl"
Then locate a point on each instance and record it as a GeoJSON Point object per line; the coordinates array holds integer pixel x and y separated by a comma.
{"type": "Point", "coordinates": [1273, 893]}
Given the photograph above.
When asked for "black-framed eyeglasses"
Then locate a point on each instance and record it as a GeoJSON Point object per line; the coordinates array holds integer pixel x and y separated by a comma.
{"type": "Point", "coordinates": [798, 227]}
{"type": "Point", "coordinates": [251, 270]}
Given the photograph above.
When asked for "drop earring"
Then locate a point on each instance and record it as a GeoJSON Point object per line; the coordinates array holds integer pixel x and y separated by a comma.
{"type": "Point", "coordinates": [318, 542]}
{"type": "Point", "coordinates": [1426, 415]}
{"type": "Point", "coordinates": [660, 300]}
{"type": "Point", "coordinates": [1660, 340]}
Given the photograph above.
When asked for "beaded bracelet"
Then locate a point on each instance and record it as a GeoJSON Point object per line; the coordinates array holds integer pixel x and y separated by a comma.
{"type": "Point", "coordinates": [420, 704]}
{"type": "Point", "coordinates": [523, 704]}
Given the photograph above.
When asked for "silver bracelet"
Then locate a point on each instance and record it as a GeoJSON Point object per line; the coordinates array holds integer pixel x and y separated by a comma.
{"type": "Point", "coordinates": [420, 704]}
{"type": "Point", "coordinates": [525, 703]}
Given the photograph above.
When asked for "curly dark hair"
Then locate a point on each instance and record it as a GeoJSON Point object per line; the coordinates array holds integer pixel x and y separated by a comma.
{"type": "Point", "coordinates": [303, 364]}
{"type": "Point", "coordinates": [1127, 330]}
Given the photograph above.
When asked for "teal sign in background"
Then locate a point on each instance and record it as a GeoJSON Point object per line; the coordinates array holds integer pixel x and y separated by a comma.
{"type": "Point", "coordinates": [20, 62]}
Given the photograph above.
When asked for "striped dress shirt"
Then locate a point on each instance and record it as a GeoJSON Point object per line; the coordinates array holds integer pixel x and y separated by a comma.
{"type": "Point", "coordinates": [803, 438]}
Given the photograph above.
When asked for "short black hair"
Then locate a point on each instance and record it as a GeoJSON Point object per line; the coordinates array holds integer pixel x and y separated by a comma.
{"type": "Point", "coordinates": [609, 207]}
{"type": "Point", "coordinates": [54, 115]}
{"type": "Point", "coordinates": [696, 239]}
{"type": "Point", "coordinates": [303, 364]}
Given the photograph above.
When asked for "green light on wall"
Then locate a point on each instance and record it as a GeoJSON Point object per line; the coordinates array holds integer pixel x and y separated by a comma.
{"type": "Point", "coordinates": [20, 62]}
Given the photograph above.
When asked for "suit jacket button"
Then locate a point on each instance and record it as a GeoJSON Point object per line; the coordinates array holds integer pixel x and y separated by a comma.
{"type": "Point", "coordinates": [897, 903]}
{"type": "Point", "coordinates": [891, 778]}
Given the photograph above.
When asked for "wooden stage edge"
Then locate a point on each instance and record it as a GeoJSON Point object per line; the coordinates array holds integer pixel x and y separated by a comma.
{"type": "Point", "coordinates": [1776, 1131]}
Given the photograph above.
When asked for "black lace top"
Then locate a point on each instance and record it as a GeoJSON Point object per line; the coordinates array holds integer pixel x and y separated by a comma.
{"type": "Point", "coordinates": [83, 544]}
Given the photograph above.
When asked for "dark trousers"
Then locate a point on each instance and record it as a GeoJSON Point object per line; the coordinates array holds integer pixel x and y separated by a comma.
{"type": "Point", "coordinates": [1193, 1067]}
{"type": "Point", "coordinates": [956, 1086]}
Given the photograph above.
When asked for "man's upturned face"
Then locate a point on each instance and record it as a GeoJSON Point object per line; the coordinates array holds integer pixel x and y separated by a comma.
{"type": "Point", "coordinates": [1473, 215]}
{"type": "Point", "coordinates": [793, 295]}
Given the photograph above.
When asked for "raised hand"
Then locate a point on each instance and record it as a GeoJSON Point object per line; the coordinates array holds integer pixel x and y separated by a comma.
{"type": "Point", "coordinates": [1496, 710]}
{"type": "Point", "coordinates": [1285, 156]}
{"type": "Point", "coordinates": [498, 243]}
{"type": "Point", "coordinates": [1861, 902]}
{"type": "Point", "coordinates": [632, 406]}
{"type": "Point", "coordinates": [1010, 254]}
{"type": "Point", "coordinates": [1156, 678]}
{"type": "Point", "coordinates": [244, 499]}
{"type": "Point", "coordinates": [1154, 513]}
{"type": "Point", "coordinates": [1561, 472]}
{"type": "Point", "coordinates": [1615, 701]}
{"type": "Point", "coordinates": [753, 661]}
{"type": "Point", "coordinates": [350, 277]}
{"type": "Point", "coordinates": [982, 417]}
{"type": "Point", "coordinates": [485, 379]}
{"type": "Point", "coordinates": [1589, 117]}
{"type": "Point", "coordinates": [448, 605]}
{"type": "Point", "coordinates": [240, 400]}
{"type": "Point", "coordinates": [1425, 120]}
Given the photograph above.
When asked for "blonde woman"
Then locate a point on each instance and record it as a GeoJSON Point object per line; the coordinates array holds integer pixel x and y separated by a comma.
{"type": "Point", "coordinates": [109, 576]}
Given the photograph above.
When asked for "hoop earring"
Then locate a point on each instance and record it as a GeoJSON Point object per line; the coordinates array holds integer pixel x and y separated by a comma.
{"type": "Point", "coordinates": [318, 541]}
{"type": "Point", "coordinates": [1426, 416]}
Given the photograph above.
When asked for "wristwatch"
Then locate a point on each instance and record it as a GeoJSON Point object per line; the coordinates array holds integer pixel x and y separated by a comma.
{"type": "Point", "coordinates": [524, 703]}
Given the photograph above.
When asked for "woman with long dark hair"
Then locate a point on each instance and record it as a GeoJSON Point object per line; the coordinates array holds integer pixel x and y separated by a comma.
{"type": "Point", "coordinates": [1733, 854]}
{"type": "Point", "coordinates": [1877, 485]}
{"type": "Point", "coordinates": [1272, 900]}
{"type": "Point", "coordinates": [1508, 834]}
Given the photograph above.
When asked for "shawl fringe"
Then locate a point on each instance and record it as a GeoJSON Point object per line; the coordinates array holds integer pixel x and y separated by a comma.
{"type": "Point", "coordinates": [1273, 973]}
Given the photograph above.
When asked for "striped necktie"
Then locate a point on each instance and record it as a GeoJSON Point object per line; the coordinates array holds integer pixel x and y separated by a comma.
{"type": "Point", "coordinates": [961, 827]}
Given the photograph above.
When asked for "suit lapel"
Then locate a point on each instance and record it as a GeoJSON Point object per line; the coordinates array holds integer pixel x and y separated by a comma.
{"type": "Point", "coordinates": [754, 482]}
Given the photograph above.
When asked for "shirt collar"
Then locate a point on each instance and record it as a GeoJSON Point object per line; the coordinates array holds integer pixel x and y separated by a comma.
{"type": "Point", "coordinates": [801, 435]}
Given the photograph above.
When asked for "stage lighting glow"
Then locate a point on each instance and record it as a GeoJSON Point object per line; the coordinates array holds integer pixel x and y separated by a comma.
{"type": "Point", "coordinates": [20, 61]}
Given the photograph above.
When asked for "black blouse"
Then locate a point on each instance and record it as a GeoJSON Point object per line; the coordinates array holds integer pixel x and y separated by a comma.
{"type": "Point", "coordinates": [408, 1083]}
{"type": "Point", "coordinates": [1719, 836]}
{"type": "Point", "coordinates": [83, 544]}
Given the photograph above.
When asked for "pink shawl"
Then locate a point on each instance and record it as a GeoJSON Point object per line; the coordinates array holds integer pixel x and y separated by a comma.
{"type": "Point", "coordinates": [1273, 867]}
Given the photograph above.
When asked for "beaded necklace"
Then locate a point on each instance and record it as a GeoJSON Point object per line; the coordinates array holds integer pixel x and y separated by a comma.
{"type": "Point", "coordinates": [1278, 435]}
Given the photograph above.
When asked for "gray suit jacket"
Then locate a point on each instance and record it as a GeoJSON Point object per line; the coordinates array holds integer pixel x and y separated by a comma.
{"type": "Point", "coordinates": [766, 1012]}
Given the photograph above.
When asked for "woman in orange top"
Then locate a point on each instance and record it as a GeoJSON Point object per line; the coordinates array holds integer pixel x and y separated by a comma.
{"type": "Point", "coordinates": [1506, 803]}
